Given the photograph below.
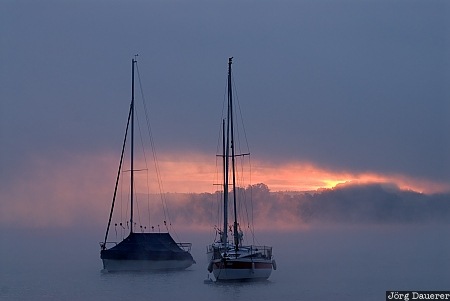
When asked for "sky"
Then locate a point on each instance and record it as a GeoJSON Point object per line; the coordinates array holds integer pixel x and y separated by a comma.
{"type": "Point", "coordinates": [331, 91]}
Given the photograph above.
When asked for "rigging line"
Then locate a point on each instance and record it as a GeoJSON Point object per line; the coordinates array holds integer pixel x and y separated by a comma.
{"type": "Point", "coordinates": [148, 200]}
{"type": "Point", "coordinates": [121, 208]}
{"type": "Point", "coordinates": [244, 193]}
{"type": "Point", "coordinates": [121, 205]}
{"type": "Point", "coordinates": [118, 176]}
{"type": "Point", "coordinates": [216, 197]}
{"type": "Point", "coordinates": [127, 203]}
{"type": "Point", "coordinates": [167, 218]}
{"type": "Point", "coordinates": [215, 192]}
{"type": "Point", "coordinates": [224, 102]}
{"type": "Point", "coordinates": [146, 167]}
{"type": "Point", "coordinates": [137, 206]}
{"type": "Point", "coordinates": [219, 197]}
{"type": "Point", "coordinates": [155, 159]}
{"type": "Point", "coordinates": [224, 116]}
{"type": "Point", "coordinates": [145, 161]}
{"type": "Point", "coordinates": [252, 228]}
{"type": "Point", "coordinates": [243, 198]}
{"type": "Point", "coordinates": [250, 166]}
{"type": "Point", "coordinates": [240, 114]}
{"type": "Point", "coordinates": [219, 194]}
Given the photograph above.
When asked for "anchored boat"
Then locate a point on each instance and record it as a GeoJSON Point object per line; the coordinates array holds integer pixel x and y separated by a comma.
{"type": "Point", "coordinates": [229, 258]}
{"type": "Point", "coordinates": [140, 251]}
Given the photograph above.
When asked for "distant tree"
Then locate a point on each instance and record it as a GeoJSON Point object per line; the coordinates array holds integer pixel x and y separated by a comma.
{"type": "Point", "coordinates": [260, 188]}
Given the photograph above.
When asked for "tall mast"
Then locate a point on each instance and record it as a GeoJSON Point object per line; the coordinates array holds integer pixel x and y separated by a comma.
{"type": "Point", "coordinates": [233, 173]}
{"type": "Point", "coordinates": [133, 62]}
{"type": "Point", "coordinates": [227, 160]}
{"type": "Point", "coordinates": [225, 186]}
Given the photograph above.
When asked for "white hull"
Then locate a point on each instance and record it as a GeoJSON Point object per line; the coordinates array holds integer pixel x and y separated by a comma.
{"type": "Point", "coordinates": [246, 264]}
{"type": "Point", "coordinates": [242, 270]}
{"type": "Point", "coordinates": [112, 265]}
{"type": "Point", "coordinates": [230, 259]}
{"type": "Point", "coordinates": [241, 275]}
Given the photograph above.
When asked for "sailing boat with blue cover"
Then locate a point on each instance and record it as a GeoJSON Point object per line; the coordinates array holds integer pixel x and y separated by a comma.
{"type": "Point", "coordinates": [141, 251]}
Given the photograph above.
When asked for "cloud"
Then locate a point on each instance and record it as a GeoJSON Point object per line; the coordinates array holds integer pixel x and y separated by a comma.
{"type": "Point", "coordinates": [69, 189]}
{"type": "Point", "coordinates": [354, 89]}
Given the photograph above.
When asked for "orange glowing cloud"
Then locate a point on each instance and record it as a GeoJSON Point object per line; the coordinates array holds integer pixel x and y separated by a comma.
{"type": "Point", "coordinates": [79, 189]}
{"type": "Point", "coordinates": [305, 176]}
{"type": "Point", "coordinates": [198, 173]}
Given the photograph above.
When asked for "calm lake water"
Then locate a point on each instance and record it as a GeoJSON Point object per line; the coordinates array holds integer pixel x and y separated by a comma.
{"type": "Point", "coordinates": [321, 263]}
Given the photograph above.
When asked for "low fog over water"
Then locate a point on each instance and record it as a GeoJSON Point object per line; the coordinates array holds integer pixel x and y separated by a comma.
{"type": "Point", "coordinates": [351, 203]}
{"type": "Point", "coordinates": [349, 257]}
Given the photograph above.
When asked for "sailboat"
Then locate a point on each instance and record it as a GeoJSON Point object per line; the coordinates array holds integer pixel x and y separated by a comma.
{"type": "Point", "coordinates": [229, 259]}
{"type": "Point", "coordinates": [141, 251]}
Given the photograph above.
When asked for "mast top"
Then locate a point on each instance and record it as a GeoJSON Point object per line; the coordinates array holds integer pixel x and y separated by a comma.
{"type": "Point", "coordinates": [230, 60]}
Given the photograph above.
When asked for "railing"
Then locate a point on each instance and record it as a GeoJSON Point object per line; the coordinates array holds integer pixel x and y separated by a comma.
{"type": "Point", "coordinates": [186, 246]}
{"type": "Point", "coordinates": [262, 251]}
{"type": "Point", "coordinates": [103, 245]}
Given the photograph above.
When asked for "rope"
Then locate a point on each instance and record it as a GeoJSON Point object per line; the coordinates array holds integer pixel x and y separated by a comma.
{"type": "Point", "coordinates": [219, 167]}
{"type": "Point", "coordinates": [241, 176]}
{"type": "Point", "coordinates": [167, 219]}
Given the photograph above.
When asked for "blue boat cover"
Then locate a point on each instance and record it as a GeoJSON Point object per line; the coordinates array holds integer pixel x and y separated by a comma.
{"type": "Point", "coordinates": [146, 246]}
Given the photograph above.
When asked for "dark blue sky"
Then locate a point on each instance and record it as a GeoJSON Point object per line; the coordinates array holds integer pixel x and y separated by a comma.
{"type": "Point", "coordinates": [359, 86]}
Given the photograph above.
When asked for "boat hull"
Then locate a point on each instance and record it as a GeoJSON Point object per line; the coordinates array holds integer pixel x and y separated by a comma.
{"type": "Point", "coordinates": [147, 252]}
{"type": "Point", "coordinates": [241, 270]}
{"type": "Point", "coordinates": [113, 265]}
{"type": "Point", "coordinates": [246, 263]}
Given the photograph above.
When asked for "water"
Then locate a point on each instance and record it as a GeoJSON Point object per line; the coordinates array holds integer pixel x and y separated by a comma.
{"type": "Point", "coordinates": [319, 263]}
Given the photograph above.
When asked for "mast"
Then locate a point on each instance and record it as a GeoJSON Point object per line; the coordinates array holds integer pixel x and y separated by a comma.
{"type": "Point", "coordinates": [233, 170]}
{"type": "Point", "coordinates": [225, 187]}
{"type": "Point", "coordinates": [227, 161]}
{"type": "Point", "coordinates": [133, 62]}
{"type": "Point", "coordinates": [130, 118]}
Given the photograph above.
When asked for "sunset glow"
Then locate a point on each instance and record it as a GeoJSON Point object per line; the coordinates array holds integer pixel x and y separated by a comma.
{"type": "Point", "coordinates": [197, 173]}
{"type": "Point", "coordinates": [58, 192]}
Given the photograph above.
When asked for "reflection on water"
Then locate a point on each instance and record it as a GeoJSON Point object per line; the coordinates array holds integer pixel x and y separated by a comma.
{"type": "Point", "coordinates": [322, 263]}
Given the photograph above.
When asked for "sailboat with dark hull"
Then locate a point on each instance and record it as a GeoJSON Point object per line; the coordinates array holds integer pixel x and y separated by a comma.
{"type": "Point", "coordinates": [229, 259]}
{"type": "Point", "coordinates": [141, 251]}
